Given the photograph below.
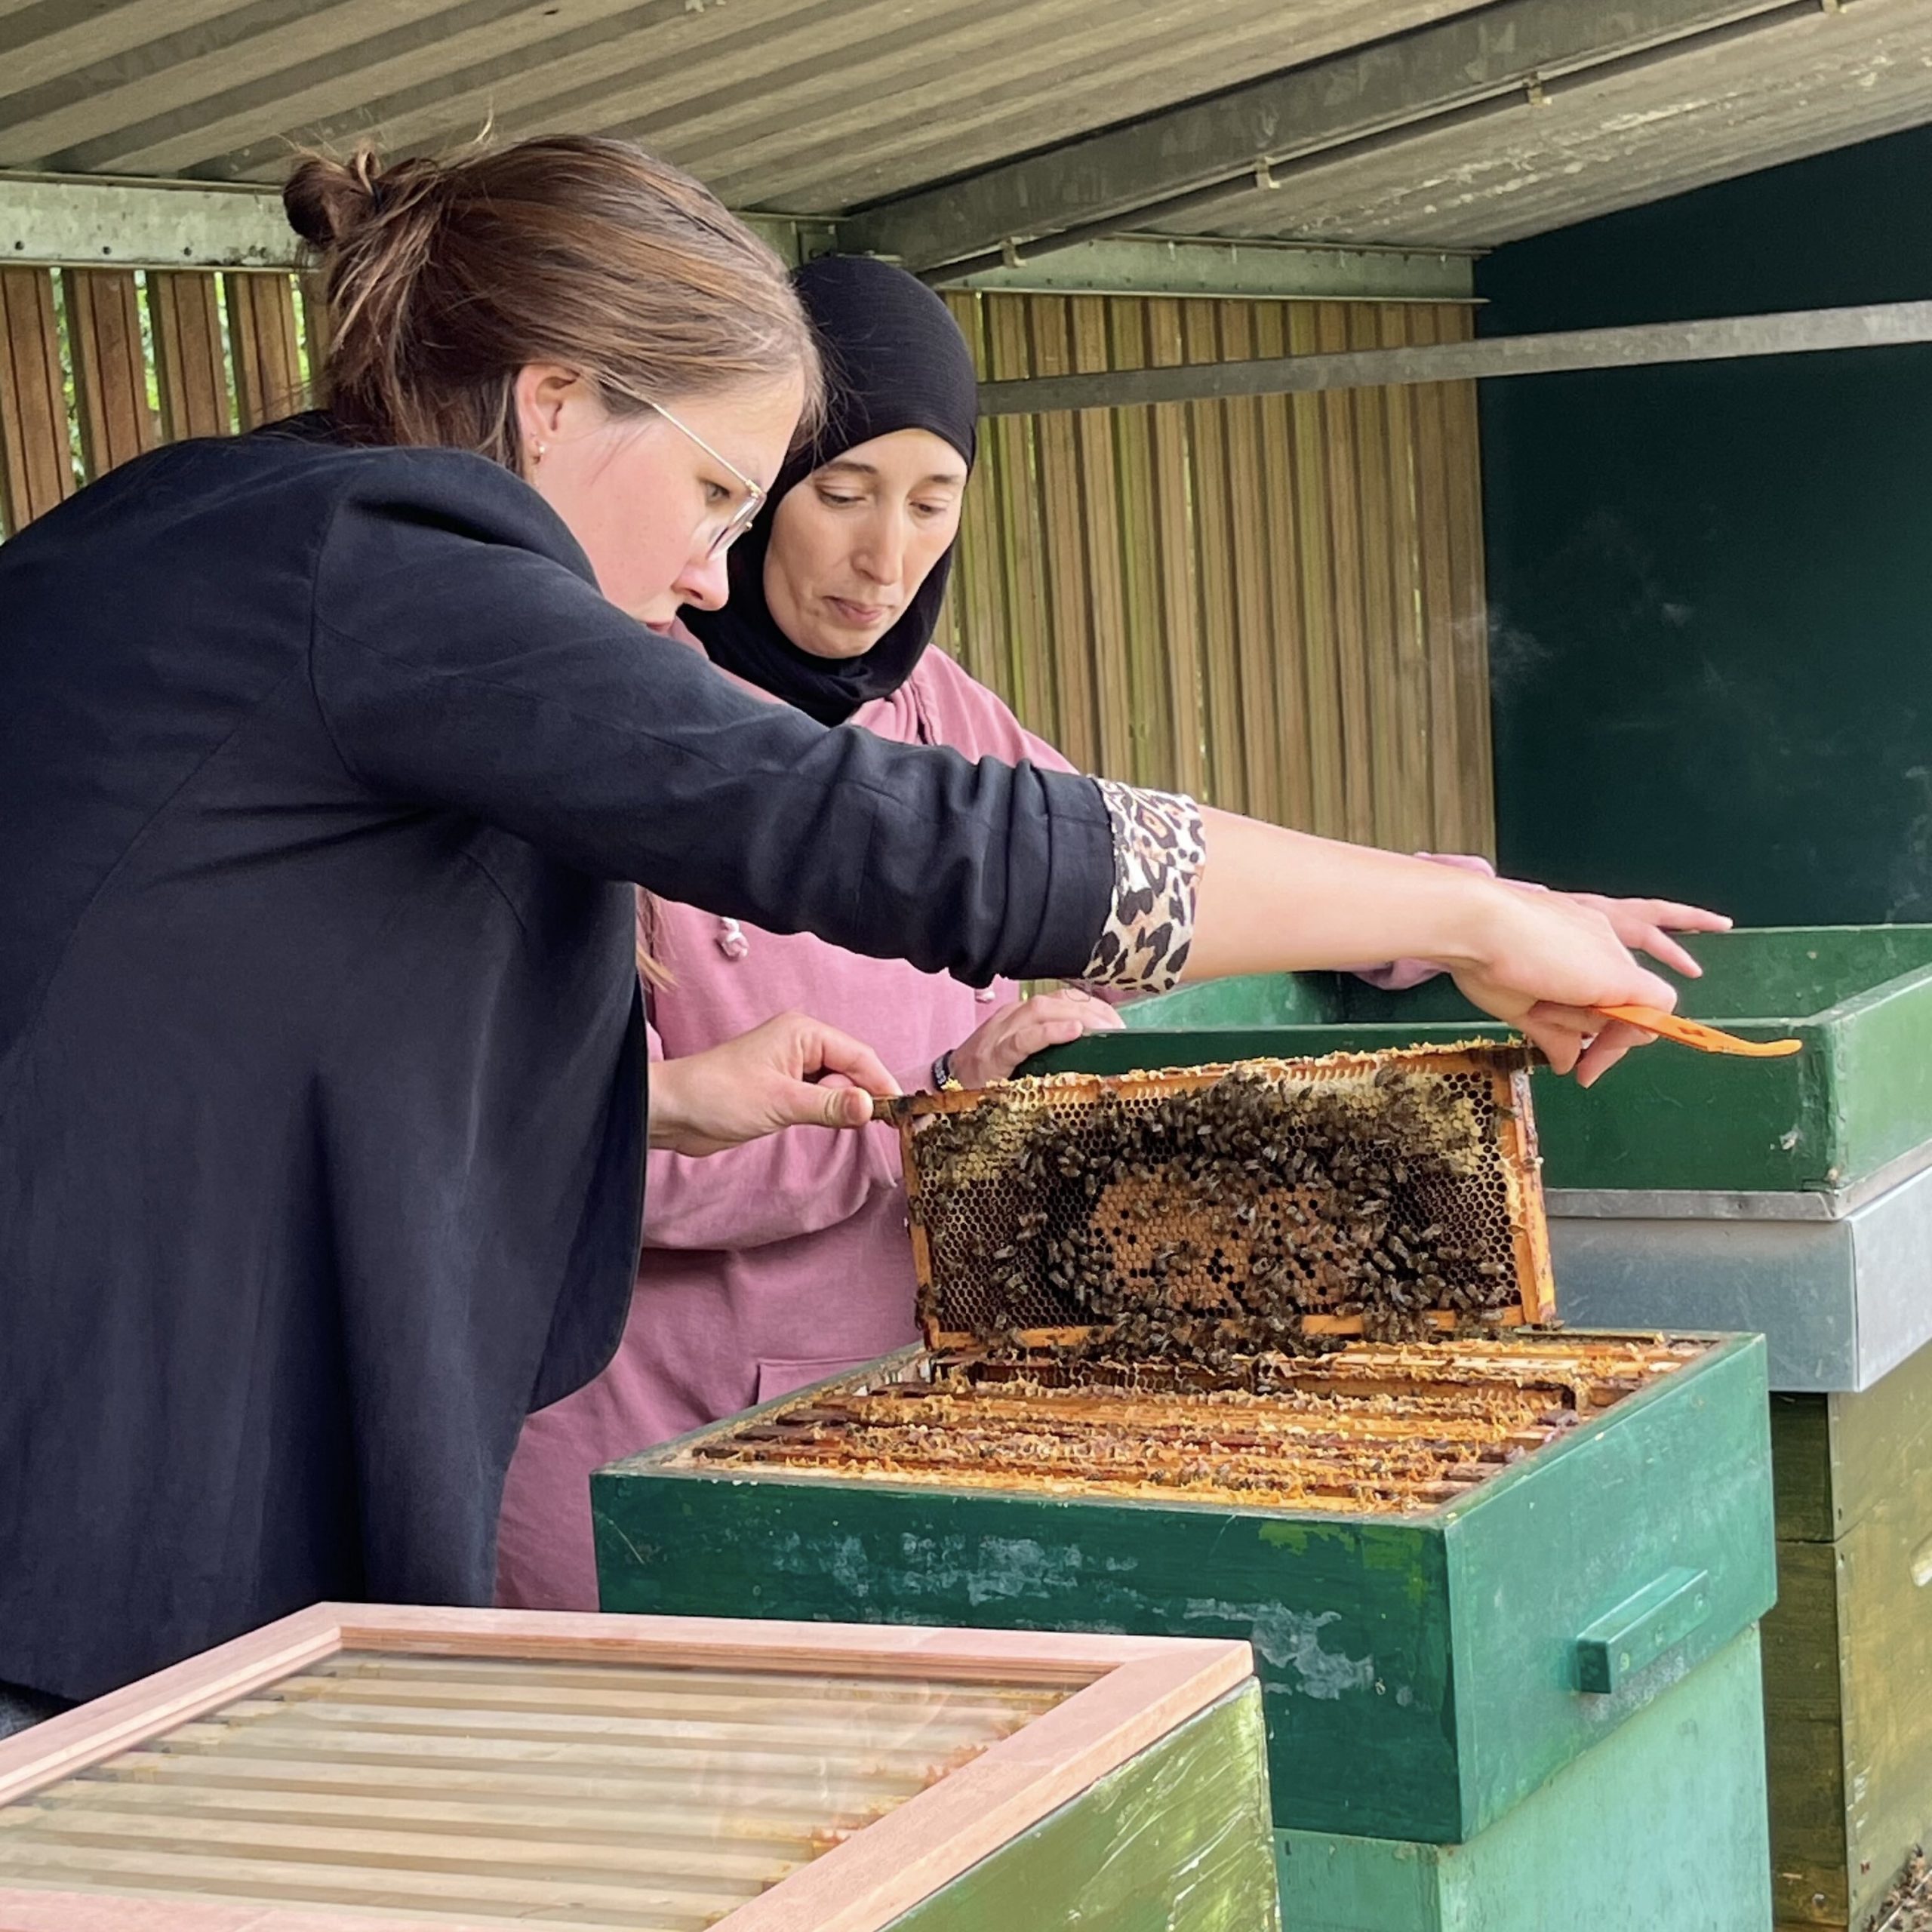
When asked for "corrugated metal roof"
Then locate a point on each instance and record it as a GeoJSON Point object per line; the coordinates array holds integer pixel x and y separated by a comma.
{"type": "Point", "coordinates": [807, 106]}
{"type": "Point", "coordinates": [817, 107]}
{"type": "Point", "coordinates": [1790, 89]}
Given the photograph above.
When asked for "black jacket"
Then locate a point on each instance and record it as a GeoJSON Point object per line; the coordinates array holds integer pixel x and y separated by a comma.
{"type": "Point", "coordinates": [322, 773]}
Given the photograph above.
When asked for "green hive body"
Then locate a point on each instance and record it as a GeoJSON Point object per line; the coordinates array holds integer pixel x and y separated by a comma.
{"type": "Point", "coordinates": [1789, 1195]}
{"type": "Point", "coordinates": [1848, 1650]}
{"type": "Point", "coordinates": [1419, 1673]}
{"type": "Point", "coordinates": [1661, 1828]}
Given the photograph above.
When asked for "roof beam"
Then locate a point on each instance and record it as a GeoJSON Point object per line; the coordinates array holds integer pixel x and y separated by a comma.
{"type": "Point", "coordinates": [83, 221]}
{"type": "Point", "coordinates": [1794, 332]}
{"type": "Point", "coordinates": [1173, 265]}
{"type": "Point", "coordinates": [48, 220]}
{"type": "Point", "coordinates": [1163, 164]}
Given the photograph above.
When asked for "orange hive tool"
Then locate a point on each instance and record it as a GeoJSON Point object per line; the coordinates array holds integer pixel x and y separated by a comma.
{"type": "Point", "coordinates": [1695, 1033]}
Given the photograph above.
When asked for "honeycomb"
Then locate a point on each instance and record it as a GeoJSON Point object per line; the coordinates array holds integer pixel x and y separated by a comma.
{"type": "Point", "coordinates": [1297, 1285]}
{"type": "Point", "coordinates": [1212, 1213]}
{"type": "Point", "coordinates": [1370, 1428]}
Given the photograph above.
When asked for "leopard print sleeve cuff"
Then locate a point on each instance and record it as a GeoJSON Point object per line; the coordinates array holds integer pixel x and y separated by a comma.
{"type": "Point", "coordinates": [1159, 847]}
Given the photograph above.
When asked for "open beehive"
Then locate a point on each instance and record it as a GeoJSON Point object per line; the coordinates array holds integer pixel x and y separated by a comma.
{"type": "Point", "coordinates": [440, 1768]}
{"type": "Point", "coordinates": [1286, 1284]}
{"type": "Point", "coordinates": [1372, 1428]}
{"type": "Point", "coordinates": [1268, 1351]}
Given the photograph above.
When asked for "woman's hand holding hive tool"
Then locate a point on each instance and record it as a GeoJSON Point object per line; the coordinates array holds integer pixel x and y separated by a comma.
{"type": "Point", "coordinates": [1017, 1033]}
{"type": "Point", "coordinates": [792, 1072]}
{"type": "Point", "coordinates": [1533, 971]}
{"type": "Point", "coordinates": [1273, 901]}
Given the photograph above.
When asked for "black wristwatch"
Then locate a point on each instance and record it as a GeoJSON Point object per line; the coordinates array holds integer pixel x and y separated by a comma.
{"type": "Point", "coordinates": [943, 1076]}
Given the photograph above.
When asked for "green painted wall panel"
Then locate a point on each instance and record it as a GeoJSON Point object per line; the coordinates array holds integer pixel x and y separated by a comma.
{"type": "Point", "coordinates": [1176, 1840]}
{"type": "Point", "coordinates": [1710, 609]}
{"type": "Point", "coordinates": [1661, 1828]}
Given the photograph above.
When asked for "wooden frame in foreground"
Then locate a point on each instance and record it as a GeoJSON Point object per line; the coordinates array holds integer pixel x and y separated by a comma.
{"type": "Point", "coordinates": [1127, 1692]}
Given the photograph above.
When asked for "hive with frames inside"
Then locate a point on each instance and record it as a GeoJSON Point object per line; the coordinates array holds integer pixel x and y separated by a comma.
{"type": "Point", "coordinates": [1311, 1285]}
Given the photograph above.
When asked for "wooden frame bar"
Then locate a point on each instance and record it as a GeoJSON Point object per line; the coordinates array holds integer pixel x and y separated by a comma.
{"type": "Point", "coordinates": [1127, 1692]}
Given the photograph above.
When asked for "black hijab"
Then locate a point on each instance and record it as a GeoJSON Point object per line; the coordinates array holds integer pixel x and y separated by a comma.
{"type": "Point", "coordinates": [894, 360]}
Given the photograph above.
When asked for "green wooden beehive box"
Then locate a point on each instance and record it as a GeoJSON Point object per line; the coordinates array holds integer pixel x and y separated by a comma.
{"type": "Point", "coordinates": [1467, 1560]}
{"type": "Point", "coordinates": [1793, 1198]}
{"type": "Point", "coordinates": [1848, 1650]}
{"type": "Point", "coordinates": [1423, 1671]}
{"type": "Point", "coordinates": [1661, 1828]}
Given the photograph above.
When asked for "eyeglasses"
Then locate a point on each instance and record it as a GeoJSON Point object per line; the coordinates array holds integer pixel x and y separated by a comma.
{"type": "Point", "coordinates": [740, 519]}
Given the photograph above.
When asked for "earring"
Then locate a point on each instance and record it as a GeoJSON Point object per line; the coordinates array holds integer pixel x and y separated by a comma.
{"type": "Point", "coordinates": [537, 451]}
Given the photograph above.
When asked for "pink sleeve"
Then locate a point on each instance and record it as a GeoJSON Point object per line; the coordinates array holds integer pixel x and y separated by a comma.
{"type": "Point", "coordinates": [797, 1182]}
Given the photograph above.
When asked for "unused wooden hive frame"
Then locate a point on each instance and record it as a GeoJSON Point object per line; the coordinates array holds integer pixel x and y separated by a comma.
{"type": "Point", "coordinates": [441, 1767]}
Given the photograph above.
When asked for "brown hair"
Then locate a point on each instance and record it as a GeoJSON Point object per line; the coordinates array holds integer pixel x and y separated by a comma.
{"type": "Point", "coordinates": [444, 279]}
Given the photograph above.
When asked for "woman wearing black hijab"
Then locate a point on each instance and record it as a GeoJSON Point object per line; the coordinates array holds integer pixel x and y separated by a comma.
{"type": "Point", "coordinates": [785, 1260]}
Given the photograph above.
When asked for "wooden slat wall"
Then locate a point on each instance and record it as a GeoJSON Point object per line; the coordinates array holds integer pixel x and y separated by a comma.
{"type": "Point", "coordinates": [265, 340]}
{"type": "Point", "coordinates": [1274, 603]}
{"type": "Point", "coordinates": [98, 364]}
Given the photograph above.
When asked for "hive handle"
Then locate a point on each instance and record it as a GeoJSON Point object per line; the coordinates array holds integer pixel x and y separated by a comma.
{"type": "Point", "coordinates": [1640, 1628]}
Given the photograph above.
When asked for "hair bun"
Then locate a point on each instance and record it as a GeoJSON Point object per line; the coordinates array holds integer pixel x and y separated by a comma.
{"type": "Point", "coordinates": [326, 201]}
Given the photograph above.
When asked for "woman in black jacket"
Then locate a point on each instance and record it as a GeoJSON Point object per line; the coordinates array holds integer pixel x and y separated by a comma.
{"type": "Point", "coordinates": [328, 757]}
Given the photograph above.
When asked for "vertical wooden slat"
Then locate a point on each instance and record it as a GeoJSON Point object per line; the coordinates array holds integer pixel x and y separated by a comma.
{"type": "Point", "coordinates": [1068, 642]}
{"type": "Point", "coordinates": [1010, 352]}
{"type": "Point", "coordinates": [1315, 569]}
{"type": "Point", "coordinates": [1255, 630]}
{"type": "Point", "coordinates": [1331, 326]}
{"type": "Point", "coordinates": [315, 329]}
{"type": "Point", "coordinates": [1436, 561]}
{"type": "Point", "coordinates": [262, 335]}
{"type": "Point", "coordinates": [1295, 757]}
{"type": "Point", "coordinates": [1227, 772]}
{"type": "Point", "coordinates": [1172, 535]}
{"type": "Point", "coordinates": [1414, 823]}
{"type": "Point", "coordinates": [975, 618]}
{"type": "Point", "coordinates": [189, 368]}
{"type": "Point", "coordinates": [1388, 776]}
{"type": "Point", "coordinates": [1137, 686]}
{"type": "Point", "coordinates": [1099, 511]}
{"type": "Point", "coordinates": [1470, 630]}
{"type": "Point", "coordinates": [36, 458]}
{"type": "Point", "coordinates": [110, 368]}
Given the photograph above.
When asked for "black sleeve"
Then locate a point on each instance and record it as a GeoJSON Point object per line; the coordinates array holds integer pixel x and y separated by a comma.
{"type": "Point", "coordinates": [461, 658]}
